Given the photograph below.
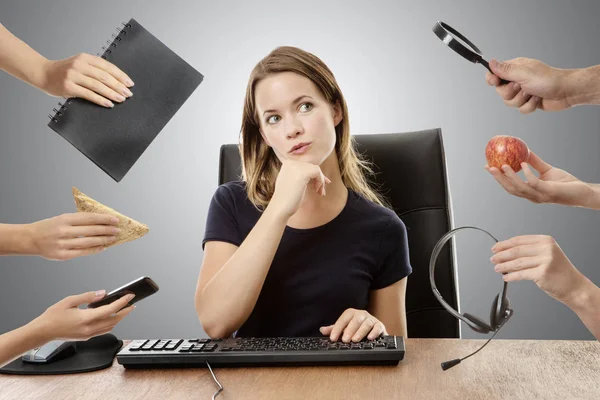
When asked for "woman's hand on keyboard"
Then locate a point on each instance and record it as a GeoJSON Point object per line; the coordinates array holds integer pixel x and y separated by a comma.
{"type": "Point", "coordinates": [354, 325]}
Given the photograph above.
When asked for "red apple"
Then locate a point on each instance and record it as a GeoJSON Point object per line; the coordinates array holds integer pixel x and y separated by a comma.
{"type": "Point", "coordinates": [506, 150]}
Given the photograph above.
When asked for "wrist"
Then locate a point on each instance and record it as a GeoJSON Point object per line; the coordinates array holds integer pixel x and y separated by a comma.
{"type": "Point", "coordinates": [39, 75]}
{"type": "Point", "coordinates": [582, 86]}
{"type": "Point", "coordinates": [38, 332]}
{"type": "Point", "coordinates": [27, 240]}
{"type": "Point", "coordinates": [275, 213]}
{"type": "Point", "coordinates": [581, 294]}
{"type": "Point", "coordinates": [593, 198]}
{"type": "Point", "coordinates": [17, 239]}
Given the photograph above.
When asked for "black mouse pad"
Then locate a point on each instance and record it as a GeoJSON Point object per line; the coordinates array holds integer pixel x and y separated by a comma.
{"type": "Point", "coordinates": [91, 355]}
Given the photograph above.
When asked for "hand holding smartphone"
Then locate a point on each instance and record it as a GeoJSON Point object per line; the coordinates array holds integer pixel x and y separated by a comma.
{"type": "Point", "coordinates": [141, 287]}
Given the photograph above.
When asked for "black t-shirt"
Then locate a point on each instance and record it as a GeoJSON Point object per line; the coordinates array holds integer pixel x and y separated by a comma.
{"type": "Point", "coordinates": [316, 273]}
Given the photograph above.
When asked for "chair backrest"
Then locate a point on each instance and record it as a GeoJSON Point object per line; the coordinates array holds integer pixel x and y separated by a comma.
{"type": "Point", "coordinates": [411, 173]}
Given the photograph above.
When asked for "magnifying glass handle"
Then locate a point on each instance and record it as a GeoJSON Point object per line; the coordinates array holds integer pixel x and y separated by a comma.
{"type": "Point", "coordinates": [485, 64]}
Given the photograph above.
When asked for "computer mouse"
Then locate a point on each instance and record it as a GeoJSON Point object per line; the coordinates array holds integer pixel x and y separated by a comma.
{"type": "Point", "coordinates": [49, 352]}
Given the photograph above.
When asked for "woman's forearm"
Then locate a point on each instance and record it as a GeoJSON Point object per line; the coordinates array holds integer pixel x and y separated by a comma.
{"type": "Point", "coordinates": [15, 240]}
{"type": "Point", "coordinates": [16, 342]}
{"type": "Point", "coordinates": [20, 60]}
{"type": "Point", "coordinates": [228, 299]}
{"type": "Point", "coordinates": [585, 302]}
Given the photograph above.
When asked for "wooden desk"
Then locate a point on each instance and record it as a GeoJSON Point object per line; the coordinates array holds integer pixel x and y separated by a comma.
{"type": "Point", "coordinates": [505, 369]}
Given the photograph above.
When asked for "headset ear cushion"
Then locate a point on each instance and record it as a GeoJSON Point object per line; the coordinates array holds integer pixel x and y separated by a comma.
{"type": "Point", "coordinates": [483, 327]}
{"type": "Point", "coordinates": [494, 317]}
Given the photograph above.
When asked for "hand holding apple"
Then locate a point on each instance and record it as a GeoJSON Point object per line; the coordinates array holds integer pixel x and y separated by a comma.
{"type": "Point", "coordinates": [506, 150]}
{"type": "Point", "coordinates": [553, 185]}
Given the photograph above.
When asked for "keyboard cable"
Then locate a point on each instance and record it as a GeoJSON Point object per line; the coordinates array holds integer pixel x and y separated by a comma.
{"type": "Point", "coordinates": [216, 381]}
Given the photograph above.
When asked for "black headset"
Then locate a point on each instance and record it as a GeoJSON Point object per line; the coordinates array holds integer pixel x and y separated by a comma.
{"type": "Point", "coordinates": [500, 312]}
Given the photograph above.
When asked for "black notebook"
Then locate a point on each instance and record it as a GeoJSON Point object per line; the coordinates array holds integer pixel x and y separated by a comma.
{"type": "Point", "coordinates": [115, 138]}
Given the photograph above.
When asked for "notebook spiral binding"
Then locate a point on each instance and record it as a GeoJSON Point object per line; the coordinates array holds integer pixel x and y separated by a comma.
{"type": "Point", "coordinates": [121, 32]}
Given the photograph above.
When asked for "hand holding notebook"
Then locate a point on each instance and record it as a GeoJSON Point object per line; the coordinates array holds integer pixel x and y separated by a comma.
{"type": "Point", "coordinates": [115, 138]}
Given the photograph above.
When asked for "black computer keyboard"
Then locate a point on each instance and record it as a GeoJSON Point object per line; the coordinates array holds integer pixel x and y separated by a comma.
{"type": "Point", "coordinates": [258, 352]}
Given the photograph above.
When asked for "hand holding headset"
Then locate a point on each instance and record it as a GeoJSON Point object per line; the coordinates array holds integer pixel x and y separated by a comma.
{"type": "Point", "coordinates": [499, 314]}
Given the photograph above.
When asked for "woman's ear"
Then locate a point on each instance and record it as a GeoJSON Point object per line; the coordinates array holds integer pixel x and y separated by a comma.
{"type": "Point", "coordinates": [337, 114]}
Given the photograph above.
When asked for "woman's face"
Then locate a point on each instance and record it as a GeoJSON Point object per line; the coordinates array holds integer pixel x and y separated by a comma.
{"type": "Point", "coordinates": [296, 121]}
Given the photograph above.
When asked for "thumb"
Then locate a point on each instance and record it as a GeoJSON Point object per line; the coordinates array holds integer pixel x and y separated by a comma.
{"type": "Point", "coordinates": [510, 71]}
{"type": "Point", "coordinates": [84, 298]}
{"type": "Point", "coordinates": [326, 330]}
{"type": "Point", "coordinates": [537, 163]}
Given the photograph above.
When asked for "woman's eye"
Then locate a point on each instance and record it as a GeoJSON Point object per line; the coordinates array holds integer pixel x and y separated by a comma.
{"type": "Point", "coordinates": [306, 107]}
{"type": "Point", "coordinates": [273, 119]}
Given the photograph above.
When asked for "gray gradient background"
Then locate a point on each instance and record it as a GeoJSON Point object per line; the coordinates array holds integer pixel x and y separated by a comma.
{"type": "Point", "coordinates": [396, 76]}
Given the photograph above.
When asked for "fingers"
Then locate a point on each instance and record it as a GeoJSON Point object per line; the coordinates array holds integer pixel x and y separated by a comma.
{"type": "Point", "coordinates": [510, 70]}
{"type": "Point", "coordinates": [87, 218]}
{"type": "Point", "coordinates": [521, 188]}
{"type": "Point", "coordinates": [531, 105]}
{"type": "Point", "coordinates": [112, 69]}
{"type": "Point", "coordinates": [64, 255]}
{"type": "Point", "coordinates": [526, 250]}
{"type": "Point", "coordinates": [326, 330]}
{"type": "Point", "coordinates": [91, 230]}
{"type": "Point", "coordinates": [370, 328]}
{"type": "Point", "coordinates": [112, 308]}
{"type": "Point", "coordinates": [492, 79]}
{"type": "Point", "coordinates": [508, 91]}
{"type": "Point", "coordinates": [84, 243]}
{"type": "Point", "coordinates": [357, 321]}
{"type": "Point", "coordinates": [83, 93]}
{"type": "Point", "coordinates": [341, 324]}
{"type": "Point", "coordinates": [98, 87]}
{"type": "Point", "coordinates": [107, 79]}
{"type": "Point", "coordinates": [501, 178]}
{"type": "Point", "coordinates": [517, 241]}
{"type": "Point", "coordinates": [537, 163]}
{"type": "Point", "coordinates": [517, 265]}
{"type": "Point", "coordinates": [518, 99]}
{"type": "Point", "coordinates": [84, 298]}
{"type": "Point", "coordinates": [527, 274]}
{"type": "Point", "coordinates": [106, 325]}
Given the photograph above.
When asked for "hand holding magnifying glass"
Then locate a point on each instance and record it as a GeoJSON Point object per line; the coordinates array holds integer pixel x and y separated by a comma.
{"type": "Point", "coordinates": [460, 44]}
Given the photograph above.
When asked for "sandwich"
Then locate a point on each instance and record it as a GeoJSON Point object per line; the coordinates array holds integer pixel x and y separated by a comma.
{"type": "Point", "coordinates": [130, 228]}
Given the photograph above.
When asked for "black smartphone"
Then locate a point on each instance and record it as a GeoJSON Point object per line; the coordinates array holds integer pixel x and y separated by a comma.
{"type": "Point", "coordinates": [141, 287]}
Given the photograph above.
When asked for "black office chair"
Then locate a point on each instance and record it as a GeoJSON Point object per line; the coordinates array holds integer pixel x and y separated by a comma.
{"type": "Point", "coordinates": [411, 174]}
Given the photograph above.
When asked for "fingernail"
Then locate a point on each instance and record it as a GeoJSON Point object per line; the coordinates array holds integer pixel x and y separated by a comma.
{"type": "Point", "coordinates": [129, 82]}
{"type": "Point", "coordinates": [130, 296]}
{"type": "Point", "coordinates": [493, 259]}
{"type": "Point", "coordinates": [496, 268]}
{"type": "Point", "coordinates": [101, 249]}
{"type": "Point", "coordinates": [494, 63]}
{"type": "Point", "coordinates": [356, 338]}
{"type": "Point", "coordinates": [100, 293]}
{"type": "Point", "coordinates": [109, 104]}
{"type": "Point", "coordinates": [120, 98]}
{"type": "Point", "coordinates": [115, 220]}
{"type": "Point", "coordinates": [112, 239]}
{"type": "Point", "coordinates": [126, 92]}
{"type": "Point", "coordinates": [116, 231]}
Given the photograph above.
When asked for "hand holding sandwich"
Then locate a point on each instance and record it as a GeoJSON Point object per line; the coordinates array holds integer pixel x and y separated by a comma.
{"type": "Point", "coordinates": [92, 229]}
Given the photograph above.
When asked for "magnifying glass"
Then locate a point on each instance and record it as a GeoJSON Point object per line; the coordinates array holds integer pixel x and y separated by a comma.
{"type": "Point", "coordinates": [460, 44]}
